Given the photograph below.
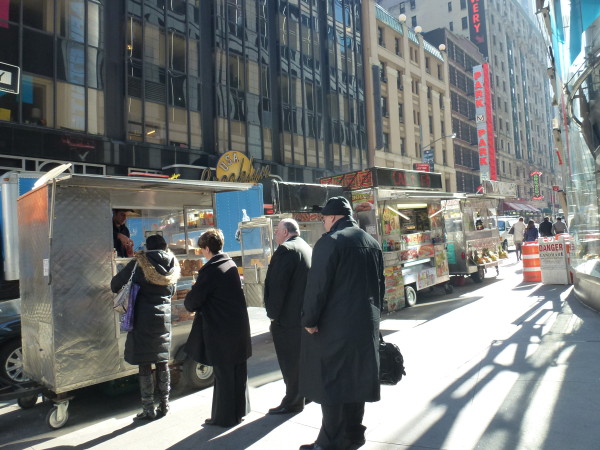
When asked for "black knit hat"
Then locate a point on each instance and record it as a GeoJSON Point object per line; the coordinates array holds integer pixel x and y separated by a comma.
{"type": "Point", "coordinates": [155, 242]}
{"type": "Point", "coordinates": [337, 206]}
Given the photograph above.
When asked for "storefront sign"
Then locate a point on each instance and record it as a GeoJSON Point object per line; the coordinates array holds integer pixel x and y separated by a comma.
{"type": "Point", "coordinates": [477, 25]}
{"type": "Point", "coordinates": [9, 78]}
{"type": "Point", "coordinates": [485, 123]}
{"type": "Point", "coordinates": [503, 188]}
{"type": "Point", "coordinates": [537, 190]}
{"type": "Point", "coordinates": [421, 167]}
{"type": "Point", "coordinates": [234, 166]}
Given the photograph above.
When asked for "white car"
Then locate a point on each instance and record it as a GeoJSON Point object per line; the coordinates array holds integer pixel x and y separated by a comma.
{"type": "Point", "coordinates": [504, 225]}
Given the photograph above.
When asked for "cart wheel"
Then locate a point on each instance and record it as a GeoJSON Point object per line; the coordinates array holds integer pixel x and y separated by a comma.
{"type": "Point", "coordinates": [27, 402]}
{"type": "Point", "coordinates": [479, 275]}
{"type": "Point", "coordinates": [58, 416]}
{"type": "Point", "coordinates": [410, 294]}
{"type": "Point", "coordinates": [448, 288]}
{"type": "Point", "coordinates": [197, 375]}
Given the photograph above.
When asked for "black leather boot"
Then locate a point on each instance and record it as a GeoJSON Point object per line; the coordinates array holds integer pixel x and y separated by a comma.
{"type": "Point", "coordinates": [163, 379]}
{"type": "Point", "coordinates": [147, 391]}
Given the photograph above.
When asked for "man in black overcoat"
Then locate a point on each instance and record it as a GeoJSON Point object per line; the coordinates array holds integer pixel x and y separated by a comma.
{"type": "Point", "coordinates": [339, 358]}
{"type": "Point", "coordinates": [284, 293]}
{"type": "Point", "coordinates": [546, 228]}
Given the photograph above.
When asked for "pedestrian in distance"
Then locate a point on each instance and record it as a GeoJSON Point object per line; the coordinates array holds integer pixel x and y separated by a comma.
{"type": "Point", "coordinates": [339, 362]}
{"type": "Point", "coordinates": [531, 232]}
{"type": "Point", "coordinates": [546, 228]}
{"type": "Point", "coordinates": [284, 292]}
{"type": "Point", "coordinates": [559, 226]}
{"type": "Point", "coordinates": [220, 335]}
{"type": "Point", "coordinates": [518, 230]}
{"type": "Point", "coordinates": [149, 342]}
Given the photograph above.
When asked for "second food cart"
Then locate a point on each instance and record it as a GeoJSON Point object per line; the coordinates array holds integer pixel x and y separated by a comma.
{"type": "Point", "coordinates": [402, 210]}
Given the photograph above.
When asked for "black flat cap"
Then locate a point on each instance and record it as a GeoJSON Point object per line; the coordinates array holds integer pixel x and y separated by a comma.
{"type": "Point", "coordinates": [337, 206]}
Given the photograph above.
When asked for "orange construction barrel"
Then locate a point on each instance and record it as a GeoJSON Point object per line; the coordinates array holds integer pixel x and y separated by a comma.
{"type": "Point", "coordinates": [531, 262]}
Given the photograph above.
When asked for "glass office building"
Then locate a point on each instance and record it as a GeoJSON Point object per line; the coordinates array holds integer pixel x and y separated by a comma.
{"type": "Point", "coordinates": [575, 72]}
{"type": "Point", "coordinates": [133, 84]}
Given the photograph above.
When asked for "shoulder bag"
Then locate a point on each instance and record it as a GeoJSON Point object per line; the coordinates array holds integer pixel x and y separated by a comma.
{"type": "Point", "coordinates": [121, 301]}
{"type": "Point", "coordinates": [391, 362]}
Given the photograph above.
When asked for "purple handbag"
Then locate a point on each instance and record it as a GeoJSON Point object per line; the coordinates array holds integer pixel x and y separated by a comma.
{"type": "Point", "coordinates": [127, 318]}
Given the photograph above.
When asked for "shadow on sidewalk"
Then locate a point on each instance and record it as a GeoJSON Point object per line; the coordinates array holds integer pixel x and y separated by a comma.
{"type": "Point", "coordinates": [101, 439]}
{"type": "Point", "coordinates": [555, 343]}
{"type": "Point", "coordinates": [243, 436]}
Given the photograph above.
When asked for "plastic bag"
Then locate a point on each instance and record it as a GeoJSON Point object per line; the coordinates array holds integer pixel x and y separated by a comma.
{"type": "Point", "coordinates": [121, 301]}
{"type": "Point", "coordinates": [128, 317]}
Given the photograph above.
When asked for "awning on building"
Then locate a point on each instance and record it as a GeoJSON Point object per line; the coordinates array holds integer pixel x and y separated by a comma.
{"type": "Point", "coordinates": [514, 206]}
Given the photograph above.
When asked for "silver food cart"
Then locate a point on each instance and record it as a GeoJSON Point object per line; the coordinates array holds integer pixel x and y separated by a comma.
{"type": "Point", "coordinates": [402, 210]}
{"type": "Point", "coordinates": [70, 332]}
{"type": "Point", "coordinates": [474, 243]}
{"type": "Point", "coordinates": [299, 201]}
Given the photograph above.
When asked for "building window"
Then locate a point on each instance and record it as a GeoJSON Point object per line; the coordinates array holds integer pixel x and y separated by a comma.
{"type": "Point", "coordinates": [382, 73]}
{"type": "Point", "coordinates": [402, 8]}
{"type": "Point", "coordinates": [463, 4]}
{"type": "Point", "coordinates": [451, 26]}
{"type": "Point", "coordinates": [401, 112]}
{"type": "Point", "coordinates": [386, 142]}
{"type": "Point", "coordinates": [380, 37]}
{"type": "Point", "coordinates": [398, 48]}
{"type": "Point", "coordinates": [384, 109]}
{"type": "Point", "coordinates": [413, 21]}
{"type": "Point", "coordinates": [449, 6]}
{"type": "Point", "coordinates": [465, 23]}
{"type": "Point", "coordinates": [413, 4]}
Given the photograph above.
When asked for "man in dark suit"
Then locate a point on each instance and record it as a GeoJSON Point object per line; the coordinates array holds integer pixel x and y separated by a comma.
{"type": "Point", "coordinates": [339, 353]}
{"type": "Point", "coordinates": [284, 293]}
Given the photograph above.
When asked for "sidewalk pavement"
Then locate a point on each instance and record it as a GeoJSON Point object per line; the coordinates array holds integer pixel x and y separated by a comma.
{"type": "Point", "coordinates": [516, 366]}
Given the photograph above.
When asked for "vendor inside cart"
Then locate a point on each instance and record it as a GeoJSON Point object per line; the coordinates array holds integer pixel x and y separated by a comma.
{"type": "Point", "coordinates": [122, 242]}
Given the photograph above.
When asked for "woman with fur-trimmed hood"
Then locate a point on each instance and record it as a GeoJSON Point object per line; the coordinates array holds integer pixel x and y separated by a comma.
{"type": "Point", "coordinates": [157, 273]}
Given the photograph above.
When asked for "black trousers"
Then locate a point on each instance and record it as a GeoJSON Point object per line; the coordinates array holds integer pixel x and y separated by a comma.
{"type": "Point", "coordinates": [230, 396]}
{"type": "Point", "coordinates": [287, 348]}
{"type": "Point", "coordinates": [342, 425]}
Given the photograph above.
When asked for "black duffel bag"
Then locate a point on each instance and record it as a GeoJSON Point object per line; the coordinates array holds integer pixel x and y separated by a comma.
{"type": "Point", "coordinates": [391, 362]}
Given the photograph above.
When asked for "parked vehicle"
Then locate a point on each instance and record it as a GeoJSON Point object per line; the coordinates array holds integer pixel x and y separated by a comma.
{"type": "Point", "coordinates": [504, 225]}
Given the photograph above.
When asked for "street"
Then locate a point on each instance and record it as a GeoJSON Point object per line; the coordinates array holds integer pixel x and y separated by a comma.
{"type": "Point", "coordinates": [496, 365]}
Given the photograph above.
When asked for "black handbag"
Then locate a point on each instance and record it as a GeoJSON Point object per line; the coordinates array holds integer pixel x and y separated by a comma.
{"type": "Point", "coordinates": [391, 362]}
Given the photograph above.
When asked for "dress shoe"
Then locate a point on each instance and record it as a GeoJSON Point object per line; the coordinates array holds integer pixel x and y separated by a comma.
{"type": "Point", "coordinates": [211, 421]}
{"type": "Point", "coordinates": [314, 446]}
{"type": "Point", "coordinates": [286, 410]}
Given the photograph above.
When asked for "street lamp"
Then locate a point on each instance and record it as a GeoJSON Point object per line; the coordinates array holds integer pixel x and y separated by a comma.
{"type": "Point", "coordinates": [428, 152]}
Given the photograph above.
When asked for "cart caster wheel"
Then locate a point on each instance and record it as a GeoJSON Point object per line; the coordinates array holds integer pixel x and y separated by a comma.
{"type": "Point", "coordinates": [448, 288]}
{"type": "Point", "coordinates": [479, 275]}
{"type": "Point", "coordinates": [27, 402]}
{"type": "Point", "coordinates": [58, 416]}
{"type": "Point", "coordinates": [410, 295]}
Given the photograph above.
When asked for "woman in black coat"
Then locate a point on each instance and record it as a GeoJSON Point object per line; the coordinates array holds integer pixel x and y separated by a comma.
{"type": "Point", "coordinates": [148, 343]}
{"type": "Point", "coordinates": [220, 335]}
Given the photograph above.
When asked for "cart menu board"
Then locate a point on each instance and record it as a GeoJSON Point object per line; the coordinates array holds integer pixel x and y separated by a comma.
{"type": "Point", "coordinates": [394, 287]}
{"type": "Point", "coordinates": [384, 177]}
